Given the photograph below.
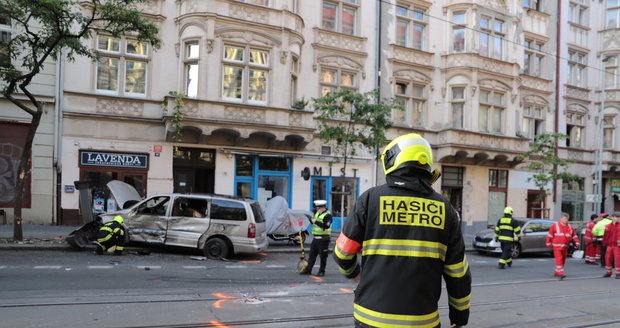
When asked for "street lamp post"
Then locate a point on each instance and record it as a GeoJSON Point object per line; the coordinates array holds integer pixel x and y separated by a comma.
{"type": "Point", "coordinates": [598, 160]}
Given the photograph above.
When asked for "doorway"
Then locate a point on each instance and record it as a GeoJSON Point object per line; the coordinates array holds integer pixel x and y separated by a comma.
{"type": "Point", "coordinates": [193, 170]}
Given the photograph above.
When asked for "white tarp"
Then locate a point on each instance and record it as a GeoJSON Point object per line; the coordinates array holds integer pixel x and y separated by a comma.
{"type": "Point", "coordinates": [280, 220]}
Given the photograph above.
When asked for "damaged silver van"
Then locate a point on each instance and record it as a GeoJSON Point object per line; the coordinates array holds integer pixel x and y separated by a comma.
{"type": "Point", "coordinates": [218, 225]}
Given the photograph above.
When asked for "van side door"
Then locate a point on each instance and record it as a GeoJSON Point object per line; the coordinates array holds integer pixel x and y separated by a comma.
{"type": "Point", "coordinates": [188, 221]}
{"type": "Point", "coordinates": [147, 222]}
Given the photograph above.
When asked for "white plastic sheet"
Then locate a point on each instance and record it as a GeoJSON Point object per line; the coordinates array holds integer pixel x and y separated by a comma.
{"type": "Point", "coordinates": [279, 218]}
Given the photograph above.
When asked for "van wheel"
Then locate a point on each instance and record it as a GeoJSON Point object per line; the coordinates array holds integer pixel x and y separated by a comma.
{"type": "Point", "coordinates": [515, 251]}
{"type": "Point", "coordinates": [216, 248]}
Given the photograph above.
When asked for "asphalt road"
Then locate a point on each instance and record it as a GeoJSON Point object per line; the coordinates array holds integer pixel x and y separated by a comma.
{"type": "Point", "coordinates": [178, 289]}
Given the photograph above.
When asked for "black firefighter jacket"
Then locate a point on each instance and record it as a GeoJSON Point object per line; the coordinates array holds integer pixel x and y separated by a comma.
{"type": "Point", "coordinates": [410, 238]}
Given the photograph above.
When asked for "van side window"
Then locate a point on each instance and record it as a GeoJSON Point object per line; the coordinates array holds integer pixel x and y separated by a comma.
{"type": "Point", "coordinates": [154, 206]}
{"type": "Point", "coordinates": [190, 207]}
{"type": "Point", "coordinates": [227, 210]}
{"type": "Point", "coordinates": [258, 213]}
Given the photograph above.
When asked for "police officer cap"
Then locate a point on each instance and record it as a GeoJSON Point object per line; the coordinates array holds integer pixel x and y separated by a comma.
{"type": "Point", "coordinates": [604, 215]}
{"type": "Point", "coordinates": [320, 202]}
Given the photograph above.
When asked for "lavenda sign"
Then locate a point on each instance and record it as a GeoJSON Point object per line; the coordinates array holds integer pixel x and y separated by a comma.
{"type": "Point", "coordinates": [95, 158]}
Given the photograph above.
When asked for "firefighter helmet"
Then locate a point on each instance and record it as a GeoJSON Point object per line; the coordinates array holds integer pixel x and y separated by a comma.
{"type": "Point", "coordinates": [409, 150]}
{"type": "Point", "coordinates": [508, 210]}
{"type": "Point", "coordinates": [119, 219]}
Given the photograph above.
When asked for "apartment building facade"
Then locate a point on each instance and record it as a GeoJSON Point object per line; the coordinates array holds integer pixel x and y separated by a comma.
{"type": "Point", "coordinates": [476, 78]}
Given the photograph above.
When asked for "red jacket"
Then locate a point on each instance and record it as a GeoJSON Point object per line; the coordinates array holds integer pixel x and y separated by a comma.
{"type": "Point", "coordinates": [611, 237]}
{"type": "Point", "coordinates": [589, 236]}
{"type": "Point", "coordinates": [560, 235]}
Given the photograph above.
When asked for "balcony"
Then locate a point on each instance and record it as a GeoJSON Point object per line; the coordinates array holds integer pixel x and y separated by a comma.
{"type": "Point", "coordinates": [474, 61]}
{"type": "Point", "coordinates": [410, 56]}
{"type": "Point", "coordinates": [250, 13]}
{"type": "Point", "coordinates": [536, 83]}
{"type": "Point", "coordinates": [339, 41]}
{"type": "Point", "coordinates": [230, 124]}
{"type": "Point", "coordinates": [472, 148]}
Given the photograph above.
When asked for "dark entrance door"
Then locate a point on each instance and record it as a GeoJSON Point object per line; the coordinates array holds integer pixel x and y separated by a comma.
{"type": "Point", "coordinates": [194, 170]}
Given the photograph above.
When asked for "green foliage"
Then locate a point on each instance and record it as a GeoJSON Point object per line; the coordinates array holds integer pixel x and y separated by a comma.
{"type": "Point", "coordinates": [546, 166]}
{"type": "Point", "coordinates": [349, 118]}
{"type": "Point", "coordinates": [177, 115]}
{"type": "Point", "coordinates": [42, 28]}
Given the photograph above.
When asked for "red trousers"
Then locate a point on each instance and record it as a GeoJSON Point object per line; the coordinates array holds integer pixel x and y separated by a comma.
{"type": "Point", "coordinates": [612, 255]}
{"type": "Point", "coordinates": [593, 252]}
{"type": "Point", "coordinates": [560, 259]}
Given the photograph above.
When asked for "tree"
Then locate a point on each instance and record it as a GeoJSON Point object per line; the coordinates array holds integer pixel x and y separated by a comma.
{"type": "Point", "coordinates": [351, 119]}
{"type": "Point", "coordinates": [546, 166]}
{"type": "Point", "coordinates": [47, 29]}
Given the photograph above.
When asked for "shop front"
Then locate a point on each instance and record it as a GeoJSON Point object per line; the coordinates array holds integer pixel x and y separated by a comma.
{"type": "Point", "coordinates": [101, 167]}
{"type": "Point", "coordinates": [263, 177]}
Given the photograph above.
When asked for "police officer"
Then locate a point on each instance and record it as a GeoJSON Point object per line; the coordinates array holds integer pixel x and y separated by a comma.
{"type": "Point", "coordinates": [505, 229]}
{"type": "Point", "coordinates": [321, 233]}
{"type": "Point", "coordinates": [410, 237]}
{"type": "Point", "coordinates": [111, 234]}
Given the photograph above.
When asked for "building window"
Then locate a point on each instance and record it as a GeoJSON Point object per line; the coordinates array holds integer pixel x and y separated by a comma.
{"type": "Point", "coordinates": [458, 31]}
{"type": "Point", "coordinates": [491, 113]}
{"type": "Point", "coordinates": [340, 16]}
{"type": "Point", "coordinates": [410, 27]}
{"type": "Point", "coordinates": [122, 67]}
{"type": "Point", "coordinates": [192, 56]}
{"type": "Point", "coordinates": [294, 85]}
{"type": "Point", "coordinates": [575, 129]}
{"type": "Point", "coordinates": [491, 37]}
{"type": "Point", "coordinates": [412, 99]}
{"type": "Point", "coordinates": [245, 74]}
{"type": "Point", "coordinates": [578, 12]}
{"type": "Point", "coordinates": [458, 104]}
{"type": "Point", "coordinates": [533, 58]}
{"type": "Point", "coordinates": [333, 79]}
{"type": "Point", "coordinates": [257, 2]}
{"type": "Point", "coordinates": [5, 37]}
{"type": "Point", "coordinates": [609, 126]}
{"type": "Point", "coordinates": [576, 68]}
{"type": "Point", "coordinates": [498, 178]}
{"type": "Point", "coordinates": [611, 72]}
{"type": "Point", "coordinates": [533, 121]}
{"type": "Point", "coordinates": [532, 4]}
{"type": "Point", "coordinates": [613, 13]}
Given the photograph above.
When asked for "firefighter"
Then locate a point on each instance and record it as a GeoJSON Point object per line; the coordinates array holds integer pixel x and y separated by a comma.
{"type": "Point", "coordinates": [410, 237]}
{"type": "Point", "coordinates": [505, 230]}
{"type": "Point", "coordinates": [598, 231]}
{"type": "Point", "coordinates": [111, 237]}
{"type": "Point", "coordinates": [321, 234]}
{"type": "Point", "coordinates": [611, 239]}
{"type": "Point", "coordinates": [559, 238]}
{"type": "Point", "coordinates": [592, 246]}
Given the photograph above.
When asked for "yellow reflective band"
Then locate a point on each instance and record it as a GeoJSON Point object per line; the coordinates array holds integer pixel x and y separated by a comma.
{"type": "Point", "coordinates": [457, 270]}
{"type": "Point", "coordinates": [505, 238]}
{"type": "Point", "coordinates": [347, 272]}
{"type": "Point", "coordinates": [120, 248]}
{"type": "Point", "coordinates": [460, 304]}
{"type": "Point", "coordinates": [505, 227]}
{"type": "Point", "coordinates": [505, 221]}
{"type": "Point", "coordinates": [401, 247]}
{"type": "Point", "coordinates": [342, 255]}
{"type": "Point", "coordinates": [381, 320]}
{"type": "Point", "coordinates": [502, 261]}
{"type": "Point", "coordinates": [106, 228]}
{"type": "Point", "coordinates": [411, 211]}
{"type": "Point", "coordinates": [101, 240]}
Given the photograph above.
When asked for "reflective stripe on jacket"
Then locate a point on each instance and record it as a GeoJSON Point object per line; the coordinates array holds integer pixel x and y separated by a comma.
{"type": "Point", "coordinates": [560, 236]}
{"type": "Point", "coordinates": [109, 230]}
{"type": "Point", "coordinates": [320, 218]}
{"type": "Point", "coordinates": [506, 228]}
{"type": "Point", "coordinates": [409, 238]}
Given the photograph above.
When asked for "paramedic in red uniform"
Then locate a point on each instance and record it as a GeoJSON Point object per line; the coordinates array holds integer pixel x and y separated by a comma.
{"type": "Point", "coordinates": [592, 247]}
{"type": "Point", "coordinates": [559, 237]}
{"type": "Point", "coordinates": [611, 239]}
{"type": "Point", "coordinates": [409, 237]}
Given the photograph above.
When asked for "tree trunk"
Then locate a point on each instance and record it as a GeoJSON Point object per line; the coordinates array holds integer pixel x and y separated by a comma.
{"type": "Point", "coordinates": [22, 174]}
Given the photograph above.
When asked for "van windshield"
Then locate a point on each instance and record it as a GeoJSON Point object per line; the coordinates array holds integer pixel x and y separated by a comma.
{"type": "Point", "coordinates": [258, 213]}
